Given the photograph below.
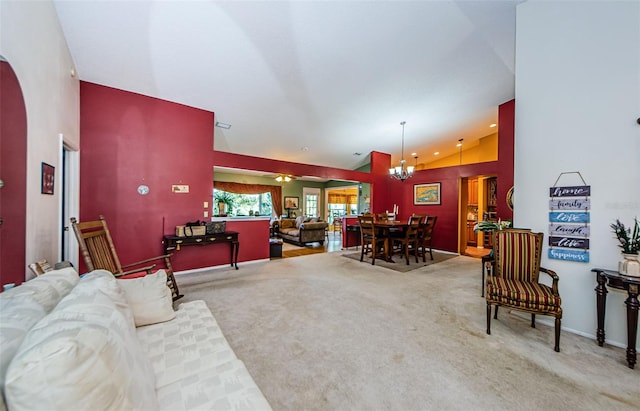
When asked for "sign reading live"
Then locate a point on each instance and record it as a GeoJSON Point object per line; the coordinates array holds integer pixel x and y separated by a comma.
{"type": "Point", "coordinates": [569, 220]}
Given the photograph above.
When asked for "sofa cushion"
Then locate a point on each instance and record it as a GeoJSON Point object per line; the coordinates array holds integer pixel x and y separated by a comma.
{"type": "Point", "coordinates": [191, 343]}
{"type": "Point", "coordinates": [227, 386]}
{"type": "Point", "coordinates": [83, 355]}
{"type": "Point", "coordinates": [149, 298]}
{"type": "Point", "coordinates": [23, 306]}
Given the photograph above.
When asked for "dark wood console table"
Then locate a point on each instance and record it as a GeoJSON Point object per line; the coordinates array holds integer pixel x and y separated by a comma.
{"type": "Point", "coordinates": [172, 242]}
{"type": "Point", "coordinates": [616, 280]}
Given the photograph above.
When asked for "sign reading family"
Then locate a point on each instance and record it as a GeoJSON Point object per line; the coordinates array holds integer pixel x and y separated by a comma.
{"type": "Point", "coordinates": [569, 223]}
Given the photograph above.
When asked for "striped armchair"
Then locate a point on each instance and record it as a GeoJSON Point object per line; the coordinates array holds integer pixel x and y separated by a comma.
{"type": "Point", "coordinates": [514, 283]}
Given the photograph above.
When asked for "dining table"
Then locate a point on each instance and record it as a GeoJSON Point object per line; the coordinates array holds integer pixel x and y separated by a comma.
{"type": "Point", "coordinates": [386, 228]}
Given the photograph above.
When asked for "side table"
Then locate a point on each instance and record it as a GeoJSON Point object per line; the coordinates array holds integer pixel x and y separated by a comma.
{"type": "Point", "coordinates": [275, 248]}
{"type": "Point", "coordinates": [618, 281]}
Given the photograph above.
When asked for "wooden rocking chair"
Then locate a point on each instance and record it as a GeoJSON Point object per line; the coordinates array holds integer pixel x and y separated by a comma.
{"type": "Point", "coordinates": [99, 252]}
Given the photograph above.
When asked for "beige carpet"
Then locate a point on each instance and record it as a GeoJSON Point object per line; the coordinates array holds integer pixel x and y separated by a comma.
{"type": "Point", "coordinates": [323, 332]}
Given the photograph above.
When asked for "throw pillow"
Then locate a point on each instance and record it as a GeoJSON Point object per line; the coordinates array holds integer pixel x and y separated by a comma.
{"type": "Point", "coordinates": [149, 298]}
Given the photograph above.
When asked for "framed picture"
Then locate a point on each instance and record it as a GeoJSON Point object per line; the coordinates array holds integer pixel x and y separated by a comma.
{"type": "Point", "coordinates": [426, 194]}
{"type": "Point", "coordinates": [47, 178]}
{"type": "Point", "coordinates": [291, 202]}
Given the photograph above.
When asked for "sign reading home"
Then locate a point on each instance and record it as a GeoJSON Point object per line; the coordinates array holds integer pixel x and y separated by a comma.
{"type": "Point", "coordinates": [569, 220]}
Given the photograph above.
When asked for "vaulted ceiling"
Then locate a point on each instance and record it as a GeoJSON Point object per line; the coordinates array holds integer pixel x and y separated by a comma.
{"type": "Point", "coordinates": [309, 81]}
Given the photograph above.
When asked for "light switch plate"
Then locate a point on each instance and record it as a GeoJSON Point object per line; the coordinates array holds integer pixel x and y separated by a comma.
{"type": "Point", "coordinates": [206, 214]}
{"type": "Point", "coordinates": [206, 204]}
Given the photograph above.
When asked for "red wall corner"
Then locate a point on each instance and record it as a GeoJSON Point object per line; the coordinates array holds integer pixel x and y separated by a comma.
{"type": "Point", "coordinates": [128, 140]}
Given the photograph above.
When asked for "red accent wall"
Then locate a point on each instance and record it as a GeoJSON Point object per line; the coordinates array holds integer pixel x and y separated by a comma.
{"type": "Point", "coordinates": [506, 155]}
{"type": "Point", "coordinates": [128, 139]}
{"type": "Point", "coordinates": [13, 171]}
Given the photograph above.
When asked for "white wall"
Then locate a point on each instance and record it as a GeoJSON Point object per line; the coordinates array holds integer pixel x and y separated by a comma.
{"type": "Point", "coordinates": [577, 100]}
{"type": "Point", "coordinates": [32, 41]}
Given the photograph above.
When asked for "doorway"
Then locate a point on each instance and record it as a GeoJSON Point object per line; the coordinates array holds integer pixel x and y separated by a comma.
{"type": "Point", "coordinates": [341, 201]}
{"type": "Point", "coordinates": [70, 201]}
{"type": "Point", "coordinates": [477, 203]}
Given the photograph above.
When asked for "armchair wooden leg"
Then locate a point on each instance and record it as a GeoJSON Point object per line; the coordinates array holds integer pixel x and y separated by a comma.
{"type": "Point", "coordinates": [557, 347]}
{"type": "Point", "coordinates": [489, 318]}
{"type": "Point", "coordinates": [495, 316]}
{"type": "Point", "coordinates": [533, 321]}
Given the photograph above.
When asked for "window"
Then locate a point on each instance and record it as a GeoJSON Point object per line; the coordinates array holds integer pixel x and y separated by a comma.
{"type": "Point", "coordinates": [311, 201]}
{"type": "Point", "coordinates": [311, 204]}
{"type": "Point", "coordinates": [241, 204]}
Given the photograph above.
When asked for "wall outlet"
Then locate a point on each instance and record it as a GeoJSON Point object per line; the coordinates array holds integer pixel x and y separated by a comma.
{"type": "Point", "coordinates": [205, 214]}
{"type": "Point", "coordinates": [206, 204]}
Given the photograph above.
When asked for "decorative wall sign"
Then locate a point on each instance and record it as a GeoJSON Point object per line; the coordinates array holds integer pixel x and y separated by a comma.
{"type": "Point", "coordinates": [569, 255]}
{"type": "Point", "coordinates": [569, 229]}
{"type": "Point", "coordinates": [564, 217]}
{"type": "Point", "coordinates": [569, 219]}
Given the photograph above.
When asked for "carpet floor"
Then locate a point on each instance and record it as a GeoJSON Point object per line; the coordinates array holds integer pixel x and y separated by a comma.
{"type": "Point", "coordinates": [325, 332]}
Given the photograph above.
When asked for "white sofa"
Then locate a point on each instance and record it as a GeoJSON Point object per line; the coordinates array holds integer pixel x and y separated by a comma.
{"type": "Point", "coordinates": [72, 344]}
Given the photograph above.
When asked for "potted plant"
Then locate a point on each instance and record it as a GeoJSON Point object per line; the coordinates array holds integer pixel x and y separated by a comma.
{"type": "Point", "coordinates": [225, 202]}
{"type": "Point", "coordinates": [488, 226]}
{"type": "Point", "coordinates": [629, 243]}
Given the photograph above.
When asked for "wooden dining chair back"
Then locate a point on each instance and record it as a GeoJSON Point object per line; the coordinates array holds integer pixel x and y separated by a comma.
{"type": "Point", "coordinates": [514, 282]}
{"type": "Point", "coordinates": [425, 236]}
{"type": "Point", "coordinates": [409, 241]}
{"type": "Point", "coordinates": [337, 225]}
{"type": "Point", "coordinates": [370, 239]}
{"type": "Point", "coordinates": [382, 217]}
{"type": "Point", "coordinates": [99, 252]}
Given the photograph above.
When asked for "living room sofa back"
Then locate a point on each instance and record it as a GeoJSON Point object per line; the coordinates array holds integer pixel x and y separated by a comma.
{"type": "Point", "coordinates": [303, 230]}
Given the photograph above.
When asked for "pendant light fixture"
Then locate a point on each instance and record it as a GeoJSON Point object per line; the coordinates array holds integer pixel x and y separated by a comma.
{"type": "Point", "coordinates": [402, 172]}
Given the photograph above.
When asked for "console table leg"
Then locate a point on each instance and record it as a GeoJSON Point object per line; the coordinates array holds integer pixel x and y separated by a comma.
{"type": "Point", "coordinates": [632, 324]}
{"type": "Point", "coordinates": [236, 256]}
{"type": "Point", "coordinates": [601, 300]}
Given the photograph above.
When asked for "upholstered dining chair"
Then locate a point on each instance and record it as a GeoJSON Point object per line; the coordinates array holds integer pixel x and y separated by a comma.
{"type": "Point", "coordinates": [99, 252]}
{"type": "Point", "coordinates": [370, 239]}
{"type": "Point", "coordinates": [425, 235]}
{"type": "Point", "coordinates": [514, 283]}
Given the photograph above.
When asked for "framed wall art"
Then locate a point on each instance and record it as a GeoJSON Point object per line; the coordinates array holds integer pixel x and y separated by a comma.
{"type": "Point", "coordinates": [426, 194]}
{"type": "Point", "coordinates": [47, 178]}
{"type": "Point", "coordinates": [291, 202]}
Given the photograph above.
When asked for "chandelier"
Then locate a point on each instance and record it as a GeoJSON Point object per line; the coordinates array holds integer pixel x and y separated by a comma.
{"type": "Point", "coordinates": [282, 178]}
{"type": "Point", "coordinates": [402, 172]}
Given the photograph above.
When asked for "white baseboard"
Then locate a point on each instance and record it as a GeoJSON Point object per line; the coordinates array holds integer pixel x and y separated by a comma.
{"type": "Point", "coordinates": [217, 267]}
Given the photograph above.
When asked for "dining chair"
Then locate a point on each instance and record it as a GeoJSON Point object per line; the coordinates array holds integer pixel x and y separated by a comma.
{"type": "Point", "coordinates": [99, 252]}
{"type": "Point", "coordinates": [409, 240]}
{"type": "Point", "coordinates": [425, 235]}
{"type": "Point", "coordinates": [370, 239]}
{"type": "Point", "coordinates": [514, 283]}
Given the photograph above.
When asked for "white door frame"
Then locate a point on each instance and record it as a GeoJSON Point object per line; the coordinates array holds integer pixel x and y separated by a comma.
{"type": "Point", "coordinates": [69, 203]}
